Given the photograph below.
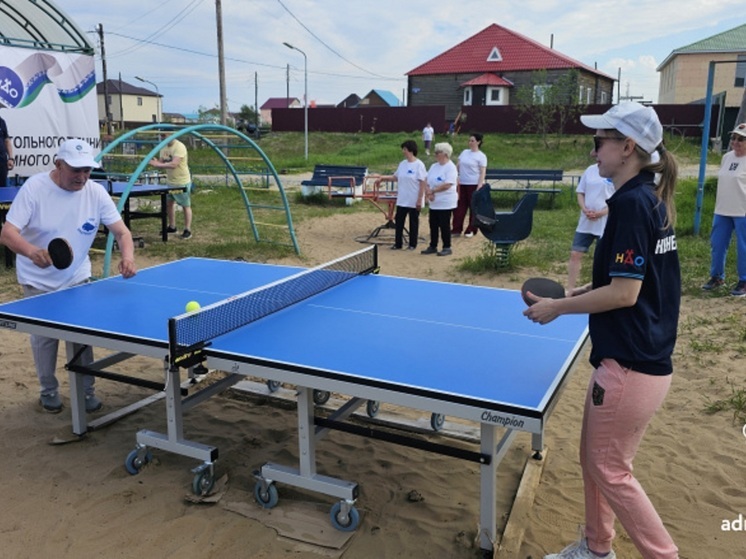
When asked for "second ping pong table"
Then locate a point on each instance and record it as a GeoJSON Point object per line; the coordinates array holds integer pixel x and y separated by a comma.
{"type": "Point", "coordinates": [460, 350]}
{"type": "Point", "coordinates": [116, 189]}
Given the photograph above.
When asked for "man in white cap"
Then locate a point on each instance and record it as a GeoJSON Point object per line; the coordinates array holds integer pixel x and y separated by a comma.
{"type": "Point", "coordinates": [63, 203]}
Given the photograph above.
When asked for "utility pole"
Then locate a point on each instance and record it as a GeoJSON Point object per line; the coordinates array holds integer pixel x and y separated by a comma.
{"type": "Point", "coordinates": [221, 63]}
{"type": "Point", "coordinates": [107, 111]}
{"type": "Point", "coordinates": [256, 102]}
{"type": "Point", "coordinates": [121, 103]}
{"type": "Point", "coordinates": [287, 85]}
{"type": "Point", "coordinates": [305, 96]}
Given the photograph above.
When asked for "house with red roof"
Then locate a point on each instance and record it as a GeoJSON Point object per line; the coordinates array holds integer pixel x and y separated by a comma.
{"type": "Point", "coordinates": [489, 67]}
{"type": "Point", "coordinates": [265, 111]}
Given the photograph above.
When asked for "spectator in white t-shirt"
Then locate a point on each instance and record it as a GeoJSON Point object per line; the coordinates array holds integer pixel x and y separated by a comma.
{"type": "Point", "coordinates": [472, 167]}
{"type": "Point", "coordinates": [442, 198]}
{"type": "Point", "coordinates": [410, 176]}
{"type": "Point", "coordinates": [592, 192]}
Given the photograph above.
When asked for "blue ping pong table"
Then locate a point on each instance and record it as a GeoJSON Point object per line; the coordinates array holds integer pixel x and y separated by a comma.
{"type": "Point", "coordinates": [460, 350]}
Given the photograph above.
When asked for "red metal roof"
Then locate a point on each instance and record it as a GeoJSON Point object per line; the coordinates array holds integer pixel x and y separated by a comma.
{"type": "Point", "coordinates": [496, 49]}
{"type": "Point", "coordinates": [278, 103]}
{"type": "Point", "coordinates": [488, 79]}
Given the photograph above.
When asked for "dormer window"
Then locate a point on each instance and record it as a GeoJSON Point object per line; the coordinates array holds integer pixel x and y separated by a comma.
{"type": "Point", "coordinates": [495, 55]}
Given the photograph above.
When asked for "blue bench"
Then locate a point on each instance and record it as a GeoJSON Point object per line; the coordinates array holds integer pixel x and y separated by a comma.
{"type": "Point", "coordinates": [339, 180]}
{"type": "Point", "coordinates": [525, 179]}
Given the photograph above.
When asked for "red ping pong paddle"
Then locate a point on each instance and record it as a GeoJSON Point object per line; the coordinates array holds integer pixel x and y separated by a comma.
{"type": "Point", "coordinates": [541, 287]}
{"type": "Point", "coordinates": [60, 252]}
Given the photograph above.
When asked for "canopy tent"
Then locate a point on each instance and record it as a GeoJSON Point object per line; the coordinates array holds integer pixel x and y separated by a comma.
{"type": "Point", "coordinates": [47, 82]}
{"type": "Point", "coordinates": [40, 25]}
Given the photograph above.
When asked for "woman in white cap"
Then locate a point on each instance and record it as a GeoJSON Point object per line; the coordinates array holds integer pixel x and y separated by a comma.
{"type": "Point", "coordinates": [730, 214]}
{"type": "Point", "coordinates": [633, 306]}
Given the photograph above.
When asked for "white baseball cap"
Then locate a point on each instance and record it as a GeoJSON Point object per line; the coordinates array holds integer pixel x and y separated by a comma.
{"type": "Point", "coordinates": [632, 119]}
{"type": "Point", "coordinates": [77, 153]}
{"type": "Point", "coordinates": [740, 130]}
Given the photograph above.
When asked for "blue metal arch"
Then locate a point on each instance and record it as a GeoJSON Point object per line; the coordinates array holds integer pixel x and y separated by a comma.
{"type": "Point", "coordinates": [172, 131]}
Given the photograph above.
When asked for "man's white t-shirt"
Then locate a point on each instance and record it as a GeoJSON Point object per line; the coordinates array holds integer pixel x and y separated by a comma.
{"type": "Point", "coordinates": [730, 199]}
{"type": "Point", "coordinates": [42, 211]}
{"type": "Point", "coordinates": [409, 175]}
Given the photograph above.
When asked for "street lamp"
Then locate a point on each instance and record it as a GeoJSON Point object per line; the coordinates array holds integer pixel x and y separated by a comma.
{"type": "Point", "coordinates": [158, 98]}
{"type": "Point", "coordinates": [305, 93]}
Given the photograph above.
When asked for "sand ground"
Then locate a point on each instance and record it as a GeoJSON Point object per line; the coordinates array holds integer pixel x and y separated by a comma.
{"type": "Point", "coordinates": [77, 500]}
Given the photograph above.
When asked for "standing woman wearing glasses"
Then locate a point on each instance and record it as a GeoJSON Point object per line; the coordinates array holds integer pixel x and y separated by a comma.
{"type": "Point", "coordinates": [633, 307]}
{"type": "Point", "coordinates": [730, 214]}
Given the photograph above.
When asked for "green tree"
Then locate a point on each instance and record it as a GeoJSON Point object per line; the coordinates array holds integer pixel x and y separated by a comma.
{"type": "Point", "coordinates": [248, 114]}
{"type": "Point", "coordinates": [546, 108]}
{"type": "Point", "coordinates": [209, 116]}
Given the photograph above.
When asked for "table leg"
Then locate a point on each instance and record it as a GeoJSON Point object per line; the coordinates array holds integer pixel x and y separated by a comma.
{"type": "Point", "coordinates": [77, 394]}
{"type": "Point", "coordinates": [164, 216]}
{"type": "Point", "coordinates": [488, 482]}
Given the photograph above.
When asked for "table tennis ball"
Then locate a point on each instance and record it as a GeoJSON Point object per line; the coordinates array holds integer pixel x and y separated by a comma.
{"type": "Point", "coordinates": [192, 306]}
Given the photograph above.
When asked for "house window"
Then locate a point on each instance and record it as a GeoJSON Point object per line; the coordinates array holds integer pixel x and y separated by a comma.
{"type": "Point", "coordinates": [467, 96]}
{"type": "Point", "coordinates": [603, 98]}
{"type": "Point", "coordinates": [588, 96]}
{"type": "Point", "coordinates": [740, 71]}
{"type": "Point", "coordinates": [139, 101]}
{"type": "Point", "coordinates": [540, 93]}
{"type": "Point", "coordinates": [495, 94]}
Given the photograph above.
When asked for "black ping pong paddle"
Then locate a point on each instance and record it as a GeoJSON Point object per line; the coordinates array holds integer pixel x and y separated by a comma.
{"type": "Point", "coordinates": [541, 287]}
{"type": "Point", "coordinates": [60, 252]}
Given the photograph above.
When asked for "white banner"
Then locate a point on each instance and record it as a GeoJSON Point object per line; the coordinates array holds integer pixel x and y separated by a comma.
{"type": "Point", "coordinates": [46, 97]}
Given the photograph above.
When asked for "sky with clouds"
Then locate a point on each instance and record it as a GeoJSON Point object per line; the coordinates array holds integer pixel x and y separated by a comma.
{"type": "Point", "coordinates": [353, 46]}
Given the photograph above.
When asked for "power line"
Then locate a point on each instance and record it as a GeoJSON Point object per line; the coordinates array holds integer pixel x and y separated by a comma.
{"type": "Point", "coordinates": [239, 60]}
{"type": "Point", "coordinates": [303, 25]}
{"type": "Point", "coordinates": [178, 18]}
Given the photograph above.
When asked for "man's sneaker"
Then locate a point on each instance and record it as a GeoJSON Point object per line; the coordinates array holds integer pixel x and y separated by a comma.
{"type": "Point", "coordinates": [170, 229]}
{"type": "Point", "coordinates": [410, 247]}
{"type": "Point", "coordinates": [394, 247]}
{"type": "Point", "coordinates": [739, 290]}
{"type": "Point", "coordinates": [713, 283]}
{"type": "Point", "coordinates": [187, 234]}
{"type": "Point", "coordinates": [579, 550]}
{"type": "Point", "coordinates": [445, 252]}
{"type": "Point", "coordinates": [429, 250]}
{"type": "Point", "coordinates": [469, 235]}
{"type": "Point", "coordinates": [92, 403]}
{"type": "Point", "coordinates": [51, 403]}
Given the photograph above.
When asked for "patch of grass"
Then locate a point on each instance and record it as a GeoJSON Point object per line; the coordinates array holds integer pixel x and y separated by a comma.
{"type": "Point", "coordinates": [735, 402]}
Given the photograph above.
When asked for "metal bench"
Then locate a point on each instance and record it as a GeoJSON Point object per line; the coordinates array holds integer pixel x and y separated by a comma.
{"type": "Point", "coordinates": [525, 179]}
{"type": "Point", "coordinates": [339, 180]}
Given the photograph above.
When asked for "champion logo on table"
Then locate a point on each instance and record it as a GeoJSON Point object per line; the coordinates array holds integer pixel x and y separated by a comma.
{"type": "Point", "coordinates": [502, 420]}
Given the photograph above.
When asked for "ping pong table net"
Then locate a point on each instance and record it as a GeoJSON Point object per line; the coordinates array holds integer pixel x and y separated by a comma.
{"type": "Point", "coordinates": [190, 333]}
